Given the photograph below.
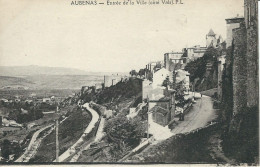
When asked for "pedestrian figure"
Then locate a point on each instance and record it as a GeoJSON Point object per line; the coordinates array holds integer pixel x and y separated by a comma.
{"type": "Point", "coordinates": [182, 115]}
{"type": "Point", "coordinates": [200, 95]}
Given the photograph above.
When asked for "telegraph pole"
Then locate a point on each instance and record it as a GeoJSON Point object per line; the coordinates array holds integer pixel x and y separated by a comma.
{"type": "Point", "coordinates": [147, 117]}
{"type": "Point", "coordinates": [57, 136]}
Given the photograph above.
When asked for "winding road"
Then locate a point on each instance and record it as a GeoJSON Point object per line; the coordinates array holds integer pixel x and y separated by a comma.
{"type": "Point", "coordinates": [200, 115]}
{"type": "Point", "coordinates": [33, 145]}
{"type": "Point", "coordinates": [91, 125]}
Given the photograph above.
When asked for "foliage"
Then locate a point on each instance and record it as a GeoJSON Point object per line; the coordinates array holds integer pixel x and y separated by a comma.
{"type": "Point", "coordinates": [141, 72]}
{"type": "Point", "coordinates": [20, 117]}
{"type": "Point", "coordinates": [124, 134]}
{"type": "Point", "coordinates": [227, 88]}
{"type": "Point", "coordinates": [69, 132]}
{"type": "Point", "coordinates": [8, 148]}
{"type": "Point", "coordinates": [118, 92]}
{"type": "Point", "coordinates": [180, 148]}
{"type": "Point", "coordinates": [197, 68]}
{"type": "Point", "coordinates": [133, 73]}
{"type": "Point", "coordinates": [179, 96]}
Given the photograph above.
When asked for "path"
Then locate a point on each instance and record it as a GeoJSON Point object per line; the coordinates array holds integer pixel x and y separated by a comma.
{"type": "Point", "coordinates": [35, 142]}
{"type": "Point", "coordinates": [201, 113]}
{"type": "Point", "coordinates": [86, 146]}
{"type": "Point", "coordinates": [91, 125]}
{"type": "Point", "coordinates": [33, 145]}
{"type": "Point", "coordinates": [199, 116]}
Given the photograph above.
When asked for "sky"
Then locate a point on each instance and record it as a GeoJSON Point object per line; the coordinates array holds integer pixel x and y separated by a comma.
{"type": "Point", "coordinates": [104, 38]}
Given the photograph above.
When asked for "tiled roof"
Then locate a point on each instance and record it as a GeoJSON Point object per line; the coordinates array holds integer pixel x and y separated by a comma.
{"type": "Point", "coordinates": [159, 109]}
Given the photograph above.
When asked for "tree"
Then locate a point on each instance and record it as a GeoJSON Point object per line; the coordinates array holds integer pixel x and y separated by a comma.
{"type": "Point", "coordinates": [141, 72]}
{"type": "Point", "coordinates": [133, 73]}
{"type": "Point", "coordinates": [197, 68]}
{"type": "Point", "coordinates": [123, 134]}
{"type": "Point", "coordinates": [6, 149]}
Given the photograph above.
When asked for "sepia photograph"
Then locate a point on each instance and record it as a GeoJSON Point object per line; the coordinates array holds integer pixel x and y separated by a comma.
{"type": "Point", "coordinates": [129, 82]}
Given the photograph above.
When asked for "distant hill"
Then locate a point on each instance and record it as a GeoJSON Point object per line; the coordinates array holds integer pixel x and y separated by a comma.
{"type": "Point", "coordinates": [42, 70]}
{"type": "Point", "coordinates": [38, 70]}
{"type": "Point", "coordinates": [39, 77]}
{"type": "Point", "coordinates": [49, 81]}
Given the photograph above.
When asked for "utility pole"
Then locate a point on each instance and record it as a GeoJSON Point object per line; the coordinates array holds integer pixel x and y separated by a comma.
{"type": "Point", "coordinates": [57, 136]}
{"type": "Point", "coordinates": [147, 117]}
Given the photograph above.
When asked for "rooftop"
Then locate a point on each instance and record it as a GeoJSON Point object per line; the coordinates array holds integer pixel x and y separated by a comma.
{"type": "Point", "coordinates": [211, 33]}
{"type": "Point", "coordinates": [159, 109]}
{"type": "Point", "coordinates": [234, 18]}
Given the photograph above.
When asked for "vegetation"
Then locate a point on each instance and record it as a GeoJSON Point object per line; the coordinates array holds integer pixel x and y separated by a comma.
{"type": "Point", "coordinates": [197, 70]}
{"type": "Point", "coordinates": [69, 132]}
{"type": "Point", "coordinates": [181, 148]}
{"type": "Point", "coordinates": [120, 91]}
{"type": "Point", "coordinates": [123, 135]}
{"type": "Point", "coordinates": [33, 112]}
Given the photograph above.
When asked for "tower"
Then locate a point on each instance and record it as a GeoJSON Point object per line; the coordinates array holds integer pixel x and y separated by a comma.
{"type": "Point", "coordinates": [211, 39]}
{"type": "Point", "coordinates": [232, 23]}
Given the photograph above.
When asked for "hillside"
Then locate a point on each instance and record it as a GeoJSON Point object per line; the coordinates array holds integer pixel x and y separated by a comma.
{"type": "Point", "coordinates": [38, 70]}
{"type": "Point", "coordinates": [117, 93]}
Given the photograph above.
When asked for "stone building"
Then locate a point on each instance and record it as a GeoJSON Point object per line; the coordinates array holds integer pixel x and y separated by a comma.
{"type": "Point", "coordinates": [232, 23]}
{"type": "Point", "coordinates": [163, 110]}
{"type": "Point", "coordinates": [195, 52]}
{"type": "Point", "coordinates": [110, 80]}
{"type": "Point", "coordinates": [172, 58]}
{"type": "Point", "coordinates": [213, 39]}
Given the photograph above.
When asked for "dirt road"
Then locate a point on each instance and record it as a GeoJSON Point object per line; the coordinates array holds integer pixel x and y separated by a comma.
{"type": "Point", "coordinates": [91, 125]}
{"type": "Point", "coordinates": [200, 114]}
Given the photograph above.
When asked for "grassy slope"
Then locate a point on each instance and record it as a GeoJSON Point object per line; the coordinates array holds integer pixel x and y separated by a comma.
{"type": "Point", "coordinates": [191, 148]}
{"type": "Point", "coordinates": [69, 132]}
{"type": "Point", "coordinates": [123, 95]}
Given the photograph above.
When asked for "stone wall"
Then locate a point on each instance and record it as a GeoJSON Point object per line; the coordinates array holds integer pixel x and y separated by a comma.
{"type": "Point", "coordinates": [252, 67]}
{"type": "Point", "coordinates": [239, 70]}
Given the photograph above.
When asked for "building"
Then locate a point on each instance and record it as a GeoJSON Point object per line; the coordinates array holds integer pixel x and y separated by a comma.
{"type": "Point", "coordinates": [184, 77]}
{"type": "Point", "coordinates": [172, 59]}
{"type": "Point", "coordinates": [160, 76]}
{"type": "Point", "coordinates": [151, 92]}
{"type": "Point", "coordinates": [110, 80]}
{"type": "Point", "coordinates": [160, 115]}
{"type": "Point", "coordinates": [194, 52]}
{"type": "Point", "coordinates": [163, 110]}
{"type": "Point", "coordinates": [213, 39]}
{"type": "Point", "coordinates": [46, 100]}
{"type": "Point", "coordinates": [232, 23]}
{"type": "Point", "coordinates": [154, 66]}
